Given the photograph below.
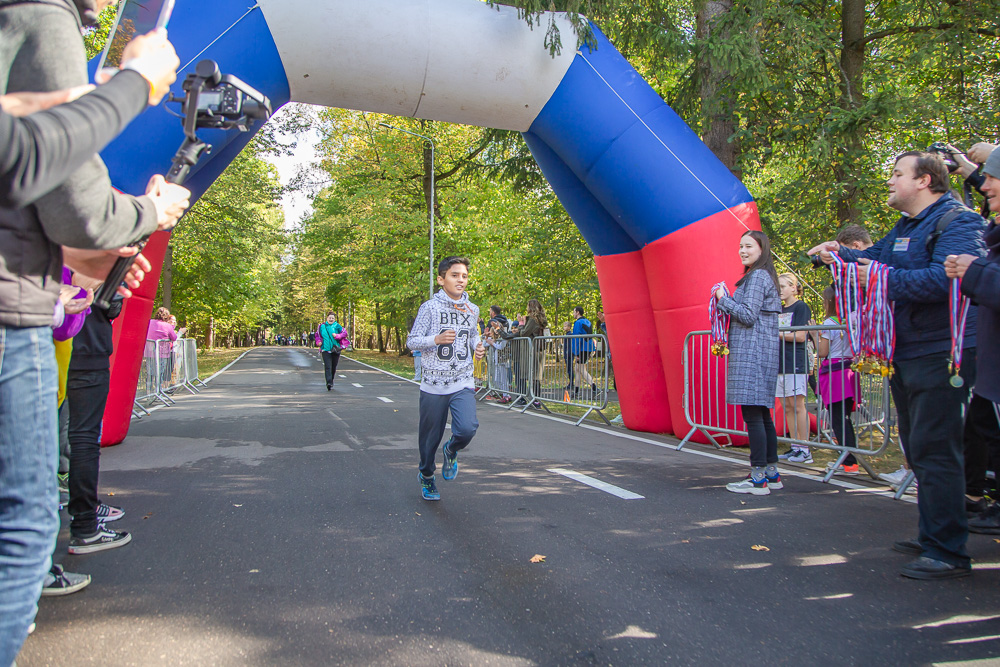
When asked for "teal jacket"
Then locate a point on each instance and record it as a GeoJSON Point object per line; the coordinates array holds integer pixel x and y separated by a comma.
{"type": "Point", "coordinates": [328, 337]}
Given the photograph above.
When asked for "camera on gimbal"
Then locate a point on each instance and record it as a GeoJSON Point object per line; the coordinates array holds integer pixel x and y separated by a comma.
{"type": "Point", "coordinates": [217, 101]}
{"type": "Point", "coordinates": [211, 100]}
{"type": "Point", "coordinates": [946, 154]}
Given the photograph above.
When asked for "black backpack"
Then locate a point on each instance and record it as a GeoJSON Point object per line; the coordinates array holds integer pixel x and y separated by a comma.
{"type": "Point", "coordinates": [942, 224]}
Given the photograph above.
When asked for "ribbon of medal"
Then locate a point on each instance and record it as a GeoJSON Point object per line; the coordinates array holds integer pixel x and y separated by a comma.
{"type": "Point", "coordinates": [847, 291]}
{"type": "Point", "coordinates": [719, 321]}
{"type": "Point", "coordinates": [958, 312]}
{"type": "Point", "coordinates": [879, 328]}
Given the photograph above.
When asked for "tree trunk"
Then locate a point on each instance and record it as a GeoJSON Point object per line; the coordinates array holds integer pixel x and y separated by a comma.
{"type": "Point", "coordinates": [378, 327]}
{"type": "Point", "coordinates": [852, 63]}
{"type": "Point", "coordinates": [713, 84]}
{"type": "Point", "coordinates": [210, 343]}
{"type": "Point", "coordinates": [167, 277]}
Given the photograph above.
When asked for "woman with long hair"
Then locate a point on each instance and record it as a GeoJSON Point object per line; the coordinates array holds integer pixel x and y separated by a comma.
{"type": "Point", "coordinates": [534, 325]}
{"type": "Point", "coordinates": [752, 371]}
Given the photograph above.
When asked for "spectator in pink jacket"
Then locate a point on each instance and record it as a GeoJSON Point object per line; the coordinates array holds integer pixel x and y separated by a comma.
{"type": "Point", "coordinates": [160, 329]}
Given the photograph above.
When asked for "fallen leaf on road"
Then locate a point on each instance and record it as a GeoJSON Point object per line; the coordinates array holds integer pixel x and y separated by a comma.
{"type": "Point", "coordinates": [759, 547]}
{"type": "Point", "coordinates": [254, 571]}
{"type": "Point", "coordinates": [111, 493]}
{"type": "Point", "coordinates": [538, 558]}
{"type": "Point", "coordinates": [148, 515]}
{"type": "Point", "coordinates": [235, 505]}
{"type": "Point", "coordinates": [685, 541]}
{"type": "Point", "coordinates": [418, 513]}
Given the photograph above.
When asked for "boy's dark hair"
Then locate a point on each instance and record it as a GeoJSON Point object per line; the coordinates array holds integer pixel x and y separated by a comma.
{"type": "Point", "coordinates": [766, 259]}
{"type": "Point", "coordinates": [578, 309]}
{"type": "Point", "coordinates": [929, 164]}
{"type": "Point", "coordinates": [451, 261]}
{"type": "Point", "coordinates": [495, 310]}
{"type": "Point", "coordinates": [849, 234]}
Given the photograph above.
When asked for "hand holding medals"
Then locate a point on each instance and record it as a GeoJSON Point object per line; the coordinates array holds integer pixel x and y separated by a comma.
{"type": "Point", "coordinates": [871, 332]}
{"type": "Point", "coordinates": [719, 321]}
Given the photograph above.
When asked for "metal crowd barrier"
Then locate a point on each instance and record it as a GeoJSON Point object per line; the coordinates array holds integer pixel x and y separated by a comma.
{"type": "Point", "coordinates": [189, 349]}
{"type": "Point", "coordinates": [166, 367]}
{"type": "Point", "coordinates": [850, 405]}
{"type": "Point", "coordinates": [569, 370]}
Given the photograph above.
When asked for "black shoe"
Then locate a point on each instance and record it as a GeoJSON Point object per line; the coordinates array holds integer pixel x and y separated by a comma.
{"type": "Point", "coordinates": [988, 522]}
{"type": "Point", "coordinates": [908, 547]}
{"type": "Point", "coordinates": [976, 507]}
{"type": "Point", "coordinates": [329, 387]}
{"type": "Point", "coordinates": [520, 403]}
{"type": "Point", "coordinates": [929, 568]}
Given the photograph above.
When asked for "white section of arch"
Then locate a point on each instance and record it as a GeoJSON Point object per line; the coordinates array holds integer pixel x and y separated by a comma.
{"type": "Point", "coordinates": [453, 60]}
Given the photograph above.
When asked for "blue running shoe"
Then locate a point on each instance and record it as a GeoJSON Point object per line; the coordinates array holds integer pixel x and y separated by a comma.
{"type": "Point", "coordinates": [428, 489]}
{"type": "Point", "coordinates": [449, 469]}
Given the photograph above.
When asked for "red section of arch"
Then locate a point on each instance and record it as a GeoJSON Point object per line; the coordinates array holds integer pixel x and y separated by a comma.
{"type": "Point", "coordinates": [642, 390]}
{"type": "Point", "coordinates": [680, 270]}
{"type": "Point", "coordinates": [130, 340]}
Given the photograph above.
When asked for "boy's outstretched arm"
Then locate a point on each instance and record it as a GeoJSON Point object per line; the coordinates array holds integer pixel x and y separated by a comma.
{"type": "Point", "coordinates": [421, 336]}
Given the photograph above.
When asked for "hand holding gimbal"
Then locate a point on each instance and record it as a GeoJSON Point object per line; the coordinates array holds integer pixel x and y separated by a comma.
{"type": "Point", "coordinates": [211, 100]}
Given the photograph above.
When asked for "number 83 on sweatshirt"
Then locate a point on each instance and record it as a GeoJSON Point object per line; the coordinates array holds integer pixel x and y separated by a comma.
{"type": "Point", "coordinates": [446, 367]}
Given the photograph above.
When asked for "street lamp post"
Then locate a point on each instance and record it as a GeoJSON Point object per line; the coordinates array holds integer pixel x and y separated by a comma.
{"type": "Point", "coordinates": [430, 212]}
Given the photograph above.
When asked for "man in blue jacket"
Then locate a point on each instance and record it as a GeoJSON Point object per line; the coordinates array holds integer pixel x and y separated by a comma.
{"type": "Point", "coordinates": [929, 407]}
{"type": "Point", "coordinates": [980, 278]}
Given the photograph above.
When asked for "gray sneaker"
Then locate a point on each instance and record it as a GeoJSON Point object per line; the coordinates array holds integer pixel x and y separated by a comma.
{"type": "Point", "coordinates": [60, 582]}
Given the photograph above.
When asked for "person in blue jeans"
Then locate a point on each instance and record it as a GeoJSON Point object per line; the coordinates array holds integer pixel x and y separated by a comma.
{"type": "Point", "coordinates": [36, 157]}
{"type": "Point", "coordinates": [445, 331]}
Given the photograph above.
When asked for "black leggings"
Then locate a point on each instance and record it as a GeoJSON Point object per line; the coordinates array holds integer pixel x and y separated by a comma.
{"type": "Point", "coordinates": [763, 437]}
{"type": "Point", "coordinates": [843, 427]}
{"type": "Point", "coordinates": [330, 360]}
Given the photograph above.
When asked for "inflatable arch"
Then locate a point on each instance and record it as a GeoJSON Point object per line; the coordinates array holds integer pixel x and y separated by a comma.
{"type": "Point", "coordinates": [662, 215]}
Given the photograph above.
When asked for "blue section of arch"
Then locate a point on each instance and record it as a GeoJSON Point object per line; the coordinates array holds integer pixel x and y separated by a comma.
{"type": "Point", "coordinates": [245, 50]}
{"type": "Point", "coordinates": [627, 168]}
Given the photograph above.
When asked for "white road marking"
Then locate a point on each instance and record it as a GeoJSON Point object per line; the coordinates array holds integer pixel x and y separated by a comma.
{"type": "Point", "coordinates": [357, 385]}
{"type": "Point", "coordinates": [597, 484]}
{"type": "Point", "coordinates": [335, 416]}
{"type": "Point", "coordinates": [384, 399]}
{"type": "Point", "coordinates": [342, 375]}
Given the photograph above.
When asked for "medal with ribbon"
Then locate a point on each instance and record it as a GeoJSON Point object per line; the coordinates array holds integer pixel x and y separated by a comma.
{"type": "Point", "coordinates": [958, 311]}
{"type": "Point", "coordinates": [847, 291]}
{"type": "Point", "coordinates": [878, 322]}
{"type": "Point", "coordinates": [719, 321]}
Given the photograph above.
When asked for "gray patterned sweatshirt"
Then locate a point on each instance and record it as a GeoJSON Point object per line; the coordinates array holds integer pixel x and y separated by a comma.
{"type": "Point", "coordinates": [445, 369]}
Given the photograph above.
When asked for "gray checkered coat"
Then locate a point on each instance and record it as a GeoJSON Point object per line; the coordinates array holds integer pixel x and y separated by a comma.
{"type": "Point", "coordinates": [753, 341]}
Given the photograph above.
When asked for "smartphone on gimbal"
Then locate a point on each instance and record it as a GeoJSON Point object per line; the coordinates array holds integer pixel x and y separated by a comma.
{"type": "Point", "coordinates": [135, 17]}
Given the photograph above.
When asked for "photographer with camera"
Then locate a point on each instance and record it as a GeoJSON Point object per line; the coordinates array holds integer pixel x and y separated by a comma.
{"type": "Point", "coordinates": [980, 278]}
{"type": "Point", "coordinates": [930, 408]}
{"type": "Point", "coordinates": [44, 153]}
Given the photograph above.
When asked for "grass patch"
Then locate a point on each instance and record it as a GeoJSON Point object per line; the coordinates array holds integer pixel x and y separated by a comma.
{"type": "Point", "coordinates": [210, 361]}
{"type": "Point", "coordinates": [387, 361]}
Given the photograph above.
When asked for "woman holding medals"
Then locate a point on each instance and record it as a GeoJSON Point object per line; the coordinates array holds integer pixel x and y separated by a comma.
{"type": "Point", "coordinates": [753, 358]}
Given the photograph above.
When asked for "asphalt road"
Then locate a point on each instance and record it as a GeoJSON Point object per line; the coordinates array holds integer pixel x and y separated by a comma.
{"type": "Point", "coordinates": [277, 523]}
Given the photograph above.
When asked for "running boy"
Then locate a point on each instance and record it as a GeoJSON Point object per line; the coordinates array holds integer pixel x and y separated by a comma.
{"type": "Point", "coordinates": [446, 334]}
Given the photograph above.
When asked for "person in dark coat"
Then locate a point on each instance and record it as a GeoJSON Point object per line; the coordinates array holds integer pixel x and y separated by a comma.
{"type": "Point", "coordinates": [930, 401]}
{"type": "Point", "coordinates": [752, 370]}
{"type": "Point", "coordinates": [980, 278]}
